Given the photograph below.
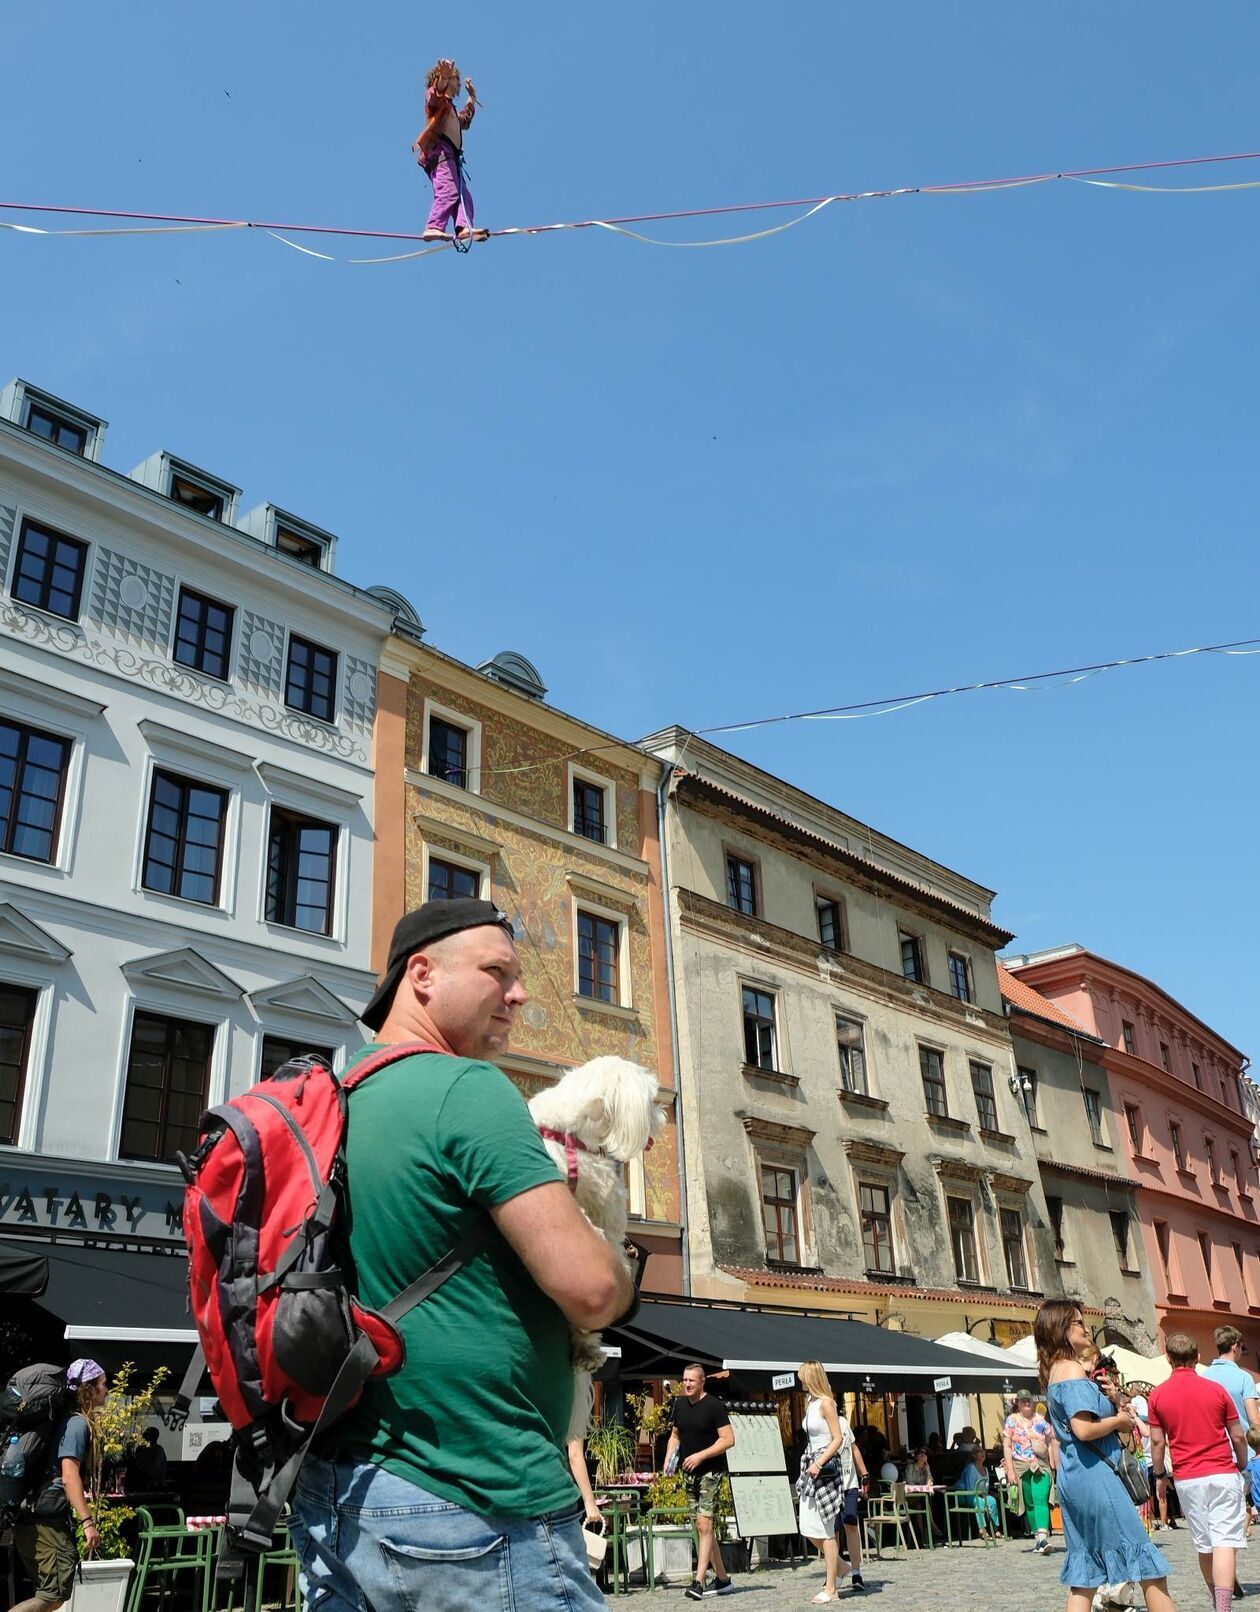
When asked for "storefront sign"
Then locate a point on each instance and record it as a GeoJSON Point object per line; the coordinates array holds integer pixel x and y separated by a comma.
{"type": "Point", "coordinates": [44, 1199]}
{"type": "Point", "coordinates": [942, 1385]}
{"type": "Point", "coordinates": [785, 1379]}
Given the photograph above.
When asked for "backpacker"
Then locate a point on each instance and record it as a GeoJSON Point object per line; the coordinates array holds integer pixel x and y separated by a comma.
{"type": "Point", "coordinates": [287, 1345]}
{"type": "Point", "coordinates": [33, 1405]}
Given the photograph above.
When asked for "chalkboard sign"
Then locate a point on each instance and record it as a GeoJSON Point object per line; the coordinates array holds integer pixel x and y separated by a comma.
{"type": "Point", "coordinates": [763, 1505]}
{"type": "Point", "coordinates": [758, 1444]}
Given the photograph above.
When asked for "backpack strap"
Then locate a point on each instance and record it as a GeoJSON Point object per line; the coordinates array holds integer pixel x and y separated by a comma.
{"type": "Point", "coordinates": [394, 1053]}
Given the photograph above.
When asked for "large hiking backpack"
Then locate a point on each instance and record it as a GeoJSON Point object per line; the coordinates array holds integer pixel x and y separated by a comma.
{"type": "Point", "coordinates": [287, 1345]}
{"type": "Point", "coordinates": [32, 1406]}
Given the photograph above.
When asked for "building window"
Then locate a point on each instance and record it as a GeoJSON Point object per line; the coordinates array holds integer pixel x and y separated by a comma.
{"type": "Point", "coordinates": [305, 550]}
{"type": "Point", "coordinates": [1013, 1248]}
{"type": "Point", "coordinates": [1093, 1113]}
{"type": "Point", "coordinates": [448, 752]}
{"type": "Point", "coordinates": [1209, 1147]}
{"type": "Point", "coordinates": [1120, 1233]}
{"type": "Point", "coordinates": [1242, 1269]}
{"type": "Point", "coordinates": [1236, 1165]}
{"type": "Point", "coordinates": [168, 1073]}
{"type": "Point", "coordinates": [1164, 1245]}
{"type": "Point", "coordinates": [960, 977]}
{"type": "Point", "coordinates": [203, 634]}
{"type": "Point", "coordinates": [49, 571]}
{"type": "Point", "coordinates": [912, 957]}
{"type": "Point", "coordinates": [877, 1242]}
{"type": "Point", "coordinates": [1174, 1136]}
{"type": "Point", "coordinates": [932, 1069]}
{"type": "Point", "coordinates": [310, 683]}
{"type": "Point", "coordinates": [43, 422]}
{"type": "Point", "coordinates": [301, 864]}
{"type": "Point", "coordinates": [588, 810]}
{"type": "Point", "coordinates": [281, 1049]}
{"type": "Point", "coordinates": [183, 847]}
{"type": "Point", "coordinates": [741, 885]}
{"type": "Point", "coordinates": [986, 1104]}
{"type": "Point", "coordinates": [1198, 1076]}
{"type": "Point", "coordinates": [1028, 1093]}
{"type": "Point", "coordinates": [962, 1239]}
{"type": "Point", "coordinates": [448, 881]}
{"type": "Point", "coordinates": [190, 494]}
{"type": "Point", "coordinates": [778, 1212]}
{"type": "Point", "coordinates": [1165, 1057]}
{"type": "Point", "coordinates": [1130, 1039]}
{"type": "Point", "coordinates": [599, 951]}
{"type": "Point", "coordinates": [1054, 1208]}
{"type": "Point", "coordinates": [760, 1040]}
{"type": "Point", "coordinates": [32, 782]}
{"type": "Point", "coordinates": [850, 1042]}
{"type": "Point", "coordinates": [1133, 1120]}
{"type": "Point", "coordinates": [17, 1015]}
{"type": "Point", "coordinates": [830, 924]}
{"type": "Point", "coordinates": [1205, 1253]}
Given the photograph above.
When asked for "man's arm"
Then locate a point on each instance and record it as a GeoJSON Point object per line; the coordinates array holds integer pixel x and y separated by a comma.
{"type": "Point", "coordinates": [1252, 1407]}
{"type": "Point", "coordinates": [565, 1255]}
{"type": "Point", "coordinates": [1238, 1439]}
{"type": "Point", "coordinates": [723, 1442]}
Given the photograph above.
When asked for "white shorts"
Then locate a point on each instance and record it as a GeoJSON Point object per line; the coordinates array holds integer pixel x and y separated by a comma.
{"type": "Point", "coordinates": [1215, 1511]}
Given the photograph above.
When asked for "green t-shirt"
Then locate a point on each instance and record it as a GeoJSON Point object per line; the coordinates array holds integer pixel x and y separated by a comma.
{"type": "Point", "coordinates": [479, 1410]}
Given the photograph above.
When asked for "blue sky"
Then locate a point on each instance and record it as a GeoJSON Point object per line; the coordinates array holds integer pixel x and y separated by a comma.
{"type": "Point", "coordinates": [913, 442]}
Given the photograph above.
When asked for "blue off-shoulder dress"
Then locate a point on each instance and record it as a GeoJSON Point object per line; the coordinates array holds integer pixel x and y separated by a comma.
{"type": "Point", "coordinates": [1106, 1541]}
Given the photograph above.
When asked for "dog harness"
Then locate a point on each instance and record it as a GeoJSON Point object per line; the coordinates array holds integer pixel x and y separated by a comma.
{"type": "Point", "coordinates": [572, 1146]}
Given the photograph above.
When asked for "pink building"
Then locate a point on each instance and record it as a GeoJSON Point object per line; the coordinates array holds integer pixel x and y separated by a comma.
{"type": "Point", "coordinates": [1176, 1113]}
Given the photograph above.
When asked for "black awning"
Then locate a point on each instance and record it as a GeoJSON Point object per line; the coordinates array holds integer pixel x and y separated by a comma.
{"type": "Point", "coordinates": [23, 1273]}
{"type": "Point", "coordinates": [664, 1336]}
{"type": "Point", "coordinates": [109, 1292]}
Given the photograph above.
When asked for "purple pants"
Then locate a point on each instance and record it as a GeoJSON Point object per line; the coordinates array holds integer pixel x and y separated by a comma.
{"type": "Point", "coordinates": [451, 195]}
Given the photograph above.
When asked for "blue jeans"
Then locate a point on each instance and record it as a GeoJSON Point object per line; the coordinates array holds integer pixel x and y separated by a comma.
{"type": "Point", "coordinates": [371, 1542]}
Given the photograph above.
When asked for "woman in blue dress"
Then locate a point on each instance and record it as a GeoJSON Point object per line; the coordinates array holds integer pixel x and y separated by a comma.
{"type": "Point", "coordinates": [1106, 1541]}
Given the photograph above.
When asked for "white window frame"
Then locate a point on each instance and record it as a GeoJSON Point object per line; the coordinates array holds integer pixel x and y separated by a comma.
{"type": "Point", "coordinates": [824, 895]}
{"type": "Point", "coordinates": [851, 1016]}
{"type": "Point", "coordinates": [459, 859]}
{"type": "Point", "coordinates": [953, 1187]}
{"type": "Point", "coordinates": [785, 1159]}
{"type": "Point", "coordinates": [954, 955]}
{"type": "Point", "coordinates": [339, 678]}
{"type": "Point", "coordinates": [584, 775]}
{"type": "Point", "coordinates": [1018, 1206]}
{"type": "Point", "coordinates": [920, 940]}
{"type": "Point", "coordinates": [471, 726]}
{"type": "Point", "coordinates": [185, 584]}
{"type": "Point", "coordinates": [580, 902]}
{"type": "Point", "coordinates": [775, 993]}
{"type": "Point", "coordinates": [64, 716]}
{"type": "Point", "coordinates": [194, 772]}
{"type": "Point", "coordinates": [173, 1006]}
{"type": "Point", "coordinates": [319, 811]}
{"type": "Point", "coordinates": [32, 974]}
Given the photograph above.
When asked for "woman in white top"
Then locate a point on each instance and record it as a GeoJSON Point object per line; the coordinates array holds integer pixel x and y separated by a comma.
{"type": "Point", "coordinates": [828, 1493]}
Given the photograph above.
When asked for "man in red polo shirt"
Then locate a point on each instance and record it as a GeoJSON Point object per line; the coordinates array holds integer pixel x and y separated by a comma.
{"type": "Point", "coordinates": [1197, 1422]}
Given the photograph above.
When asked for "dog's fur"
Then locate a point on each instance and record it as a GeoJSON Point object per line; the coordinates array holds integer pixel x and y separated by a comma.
{"type": "Point", "coordinates": [610, 1105]}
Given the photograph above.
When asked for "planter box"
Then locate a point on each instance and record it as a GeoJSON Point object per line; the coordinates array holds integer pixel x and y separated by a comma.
{"type": "Point", "coordinates": [672, 1557]}
{"type": "Point", "coordinates": [103, 1586]}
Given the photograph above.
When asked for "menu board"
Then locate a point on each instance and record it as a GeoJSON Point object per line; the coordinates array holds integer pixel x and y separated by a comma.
{"type": "Point", "coordinates": [763, 1504]}
{"type": "Point", "coordinates": [758, 1444]}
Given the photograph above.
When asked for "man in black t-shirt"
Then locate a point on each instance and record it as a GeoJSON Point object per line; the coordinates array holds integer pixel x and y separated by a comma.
{"type": "Point", "coordinates": [702, 1434]}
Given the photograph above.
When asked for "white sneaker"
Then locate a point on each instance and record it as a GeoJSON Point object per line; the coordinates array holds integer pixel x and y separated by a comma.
{"type": "Point", "coordinates": [1042, 1544]}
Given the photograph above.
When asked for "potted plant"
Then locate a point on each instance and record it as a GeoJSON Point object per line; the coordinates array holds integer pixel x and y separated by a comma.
{"type": "Point", "coordinates": [611, 1447]}
{"type": "Point", "coordinates": [117, 1424]}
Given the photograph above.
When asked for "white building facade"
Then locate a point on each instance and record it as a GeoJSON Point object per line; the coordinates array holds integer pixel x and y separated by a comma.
{"type": "Point", "coordinates": [186, 804]}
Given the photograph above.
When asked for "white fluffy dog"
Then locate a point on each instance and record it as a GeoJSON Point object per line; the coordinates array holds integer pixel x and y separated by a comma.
{"type": "Point", "coordinates": [594, 1121]}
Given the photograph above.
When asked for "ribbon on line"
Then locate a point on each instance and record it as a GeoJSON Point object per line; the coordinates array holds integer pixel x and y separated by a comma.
{"type": "Point", "coordinates": [152, 229]}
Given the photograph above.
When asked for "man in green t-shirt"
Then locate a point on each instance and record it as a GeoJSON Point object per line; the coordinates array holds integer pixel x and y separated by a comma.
{"type": "Point", "coordinates": [447, 1485]}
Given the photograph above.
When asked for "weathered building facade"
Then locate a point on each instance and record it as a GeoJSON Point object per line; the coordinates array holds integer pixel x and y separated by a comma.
{"type": "Point", "coordinates": [851, 1134]}
{"type": "Point", "coordinates": [1185, 1130]}
{"type": "Point", "coordinates": [1091, 1196]}
{"type": "Point", "coordinates": [485, 790]}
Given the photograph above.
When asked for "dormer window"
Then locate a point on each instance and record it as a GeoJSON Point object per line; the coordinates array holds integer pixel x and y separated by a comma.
{"type": "Point", "coordinates": [193, 495]}
{"type": "Point", "coordinates": [305, 550]}
{"type": "Point", "coordinates": [54, 427]}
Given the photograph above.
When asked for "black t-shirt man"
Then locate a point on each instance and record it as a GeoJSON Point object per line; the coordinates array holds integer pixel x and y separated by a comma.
{"type": "Point", "coordinates": [698, 1422]}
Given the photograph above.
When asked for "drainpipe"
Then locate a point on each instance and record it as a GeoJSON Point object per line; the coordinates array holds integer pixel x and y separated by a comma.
{"type": "Point", "coordinates": [667, 768]}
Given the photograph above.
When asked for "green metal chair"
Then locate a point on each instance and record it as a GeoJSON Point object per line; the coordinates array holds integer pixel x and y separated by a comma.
{"type": "Point", "coordinates": [666, 1519]}
{"type": "Point", "coordinates": [165, 1551]}
{"type": "Point", "coordinates": [972, 1504]}
{"type": "Point", "coordinates": [890, 1511]}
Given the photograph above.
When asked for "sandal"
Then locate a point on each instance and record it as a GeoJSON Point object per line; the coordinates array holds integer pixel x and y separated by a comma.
{"type": "Point", "coordinates": [822, 1599]}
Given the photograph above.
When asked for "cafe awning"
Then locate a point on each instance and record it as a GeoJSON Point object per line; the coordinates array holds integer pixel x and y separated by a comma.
{"type": "Point", "coordinates": [103, 1294]}
{"type": "Point", "coordinates": [665, 1335]}
{"type": "Point", "coordinates": [23, 1274]}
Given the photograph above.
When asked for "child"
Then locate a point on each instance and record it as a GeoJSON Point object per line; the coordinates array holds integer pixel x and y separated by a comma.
{"type": "Point", "coordinates": [439, 149]}
{"type": "Point", "coordinates": [1253, 1476]}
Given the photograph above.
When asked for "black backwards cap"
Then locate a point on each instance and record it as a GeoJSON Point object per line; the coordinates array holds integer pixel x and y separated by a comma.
{"type": "Point", "coordinates": [435, 920]}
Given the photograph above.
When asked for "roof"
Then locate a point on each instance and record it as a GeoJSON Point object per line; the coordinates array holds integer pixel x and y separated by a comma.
{"type": "Point", "coordinates": [753, 1341]}
{"type": "Point", "coordinates": [875, 870]}
{"type": "Point", "coordinates": [1083, 1170]}
{"type": "Point", "coordinates": [808, 1282]}
{"type": "Point", "coordinates": [1025, 1000]}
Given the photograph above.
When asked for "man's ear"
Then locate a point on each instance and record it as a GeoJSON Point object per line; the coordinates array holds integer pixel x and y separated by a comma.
{"type": "Point", "coordinates": [419, 972]}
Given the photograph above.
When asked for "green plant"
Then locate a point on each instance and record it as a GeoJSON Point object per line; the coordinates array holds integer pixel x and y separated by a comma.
{"type": "Point", "coordinates": [652, 1419]}
{"type": "Point", "coordinates": [669, 1493]}
{"type": "Point", "coordinates": [612, 1447]}
{"type": "Point", "coordinates": [109, 1522]}
{"type": "Point", "coordinates": [118, 1422]}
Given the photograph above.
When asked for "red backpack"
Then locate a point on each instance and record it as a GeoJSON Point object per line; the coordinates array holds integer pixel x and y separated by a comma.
{"type": "Point", "coordinates": [287, 1345]}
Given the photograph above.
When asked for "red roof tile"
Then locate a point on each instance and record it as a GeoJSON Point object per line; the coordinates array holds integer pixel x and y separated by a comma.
{"type": "Point", "coordinates": [756, 1277]}
{"type": "Point", "coordinates": [1026, 1000]}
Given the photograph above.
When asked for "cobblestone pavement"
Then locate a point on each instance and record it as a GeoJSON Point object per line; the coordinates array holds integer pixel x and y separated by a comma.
{"type": "Point", "coordinates": [967, 1578]}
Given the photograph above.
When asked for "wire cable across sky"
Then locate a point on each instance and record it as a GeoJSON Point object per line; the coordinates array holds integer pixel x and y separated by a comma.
{"type": "Point", "coordinates": [141, 223]}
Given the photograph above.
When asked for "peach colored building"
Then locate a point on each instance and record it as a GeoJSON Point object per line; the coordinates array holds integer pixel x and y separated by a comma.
{"type": "Point", "coordinates": [1176, 1116]}
{"type": "Point", "coordinates": [482, 789]}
